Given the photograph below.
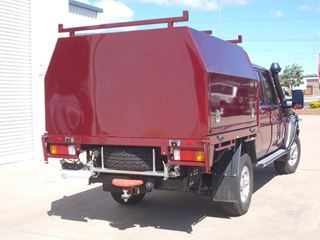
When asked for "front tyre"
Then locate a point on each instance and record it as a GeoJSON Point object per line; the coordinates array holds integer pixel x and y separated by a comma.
{"type": "Point", "coordinates": [290, 163]}
{"type": "Point", "coordinates": [133, 200]}
{"type": "Point", "coordinates": [245, 186]}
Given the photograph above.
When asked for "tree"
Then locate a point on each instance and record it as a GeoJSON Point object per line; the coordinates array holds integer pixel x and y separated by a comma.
{"type": "Point", "coordinates": [292, 76]}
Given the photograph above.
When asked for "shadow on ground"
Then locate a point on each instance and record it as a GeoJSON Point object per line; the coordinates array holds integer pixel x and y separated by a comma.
{"type": "Point", "coordinates": [160, 209]}
{"type": "Point", "coordinates": [263, 176]}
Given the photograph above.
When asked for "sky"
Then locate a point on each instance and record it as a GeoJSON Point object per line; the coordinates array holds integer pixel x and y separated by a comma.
{"type": "Point", "coordinates": [283, 31]}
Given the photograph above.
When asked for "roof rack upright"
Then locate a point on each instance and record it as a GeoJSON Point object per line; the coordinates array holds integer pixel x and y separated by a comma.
{"type": "Point", "coordinates": [236, 41]}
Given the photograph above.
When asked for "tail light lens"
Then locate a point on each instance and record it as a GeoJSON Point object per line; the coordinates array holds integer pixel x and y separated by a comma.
{"type": "Point", "coordinates": [176, 154]}
{"type": "Point", "coordinates": [188, 155]}
{"type": "Point", "coordinates": [56, 149]}
{"type": "Point", "coordinates": [199, 156]}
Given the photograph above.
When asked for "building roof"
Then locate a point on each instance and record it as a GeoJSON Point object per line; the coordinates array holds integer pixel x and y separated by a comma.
{"type": "Point", "coordinates": [311, 76]}
{"type": "Point", "coordinates": [87, 6]}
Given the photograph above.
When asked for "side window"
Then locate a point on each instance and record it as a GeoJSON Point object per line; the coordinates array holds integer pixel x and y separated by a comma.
{"type": "Point", "coordinates": [270, 97]}
{"type": "Point", "coordinates": [261, 88]}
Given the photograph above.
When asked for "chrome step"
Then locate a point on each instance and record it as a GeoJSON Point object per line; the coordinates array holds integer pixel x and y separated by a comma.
{"type": "Point", "coordinates": [271, 158]}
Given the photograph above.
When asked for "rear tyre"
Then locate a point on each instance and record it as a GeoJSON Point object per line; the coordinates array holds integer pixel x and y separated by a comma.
{"type": "Point", "coordinates": [245, 184]}
{"type": "Point", "coordinates": [133, 200]}
{"type": "Point", "coordinates": [290, 163]}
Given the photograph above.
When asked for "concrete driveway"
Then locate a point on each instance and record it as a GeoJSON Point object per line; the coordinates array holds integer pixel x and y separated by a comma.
{"type": "Point", "coordinates": [36, 204]}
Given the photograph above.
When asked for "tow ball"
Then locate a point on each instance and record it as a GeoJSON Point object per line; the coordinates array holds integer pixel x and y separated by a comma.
{"type": "Point", "coordinates": [126, 194]}
{"type": "Point", "coordinates": [130, 187]}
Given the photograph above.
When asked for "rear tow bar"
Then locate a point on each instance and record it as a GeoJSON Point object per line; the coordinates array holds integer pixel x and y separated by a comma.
{"type": "Point", "coordinates": [130, 187]}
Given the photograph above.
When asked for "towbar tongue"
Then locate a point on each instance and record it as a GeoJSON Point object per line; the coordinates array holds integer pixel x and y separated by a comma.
{"type": "Point", "coordinates": [126, 183]}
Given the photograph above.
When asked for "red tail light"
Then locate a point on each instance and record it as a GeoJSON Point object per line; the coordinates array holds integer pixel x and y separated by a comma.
{"type": "Point", "coordinates": [187, 155]}
{"type": "Point", "coordinates": [57, 139]}
{"type": "Point", "coordinates": [189, 142]}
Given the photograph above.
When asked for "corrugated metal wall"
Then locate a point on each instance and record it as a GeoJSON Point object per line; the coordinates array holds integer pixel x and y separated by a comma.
{"type": "Point", "coordinates": [16, 118]}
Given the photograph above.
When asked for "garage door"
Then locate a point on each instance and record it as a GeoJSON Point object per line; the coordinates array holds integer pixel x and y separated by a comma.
{"type": "Point", "coordinates": [16, 121]}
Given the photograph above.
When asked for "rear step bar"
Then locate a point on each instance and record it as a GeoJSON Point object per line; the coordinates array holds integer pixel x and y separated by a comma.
{"type": "Point", "coordinates": [271, 158]}
{"type": "Point", "coordinates": [165, 174]}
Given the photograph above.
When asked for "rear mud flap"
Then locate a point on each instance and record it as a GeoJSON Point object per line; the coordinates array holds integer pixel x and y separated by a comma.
{"type": "Point", "coordinates": [227, 183]}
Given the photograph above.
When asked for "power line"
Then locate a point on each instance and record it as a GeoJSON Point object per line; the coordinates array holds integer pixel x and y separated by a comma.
{"type": "Point", "coordinates": [279, 51]}
{"type": "Point", "coordinates": [273, 19]}
{"type": "Point", "coordinates": [262, 19]}
{"type": "Point", "coordinates": [283, 40]}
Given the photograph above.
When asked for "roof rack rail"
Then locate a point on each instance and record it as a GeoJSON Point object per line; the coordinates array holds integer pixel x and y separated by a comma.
{"type": "Point", "coordinates": [169, 21]}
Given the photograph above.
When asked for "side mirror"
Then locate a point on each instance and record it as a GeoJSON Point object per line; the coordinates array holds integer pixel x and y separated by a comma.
{"type": "Point", "coordinates": [297, 99]}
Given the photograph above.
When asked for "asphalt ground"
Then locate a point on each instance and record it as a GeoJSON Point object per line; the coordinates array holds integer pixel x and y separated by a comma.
{"type": "Point", "coordinates": [35, 203]}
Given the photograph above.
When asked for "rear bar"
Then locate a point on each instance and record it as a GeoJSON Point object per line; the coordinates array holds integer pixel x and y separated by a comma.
{"type": "Point", "coordinates": [165, 175]}
{"type": "Point", "coordinates": [164, 144]}
{"type": "Point", "coordinates": [169, 21]}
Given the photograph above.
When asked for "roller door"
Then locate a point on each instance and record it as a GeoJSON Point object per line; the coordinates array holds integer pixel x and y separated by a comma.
{"type": "Point", "coordinates": [16, 117]}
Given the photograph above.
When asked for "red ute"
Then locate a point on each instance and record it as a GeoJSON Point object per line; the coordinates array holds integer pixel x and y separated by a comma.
{"type": "Point", "coordinates": [170, 108]}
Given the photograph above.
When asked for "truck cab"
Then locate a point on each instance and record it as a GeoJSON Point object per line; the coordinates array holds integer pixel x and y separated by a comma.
{"type": "Point", "coordinates": [270, 115]}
